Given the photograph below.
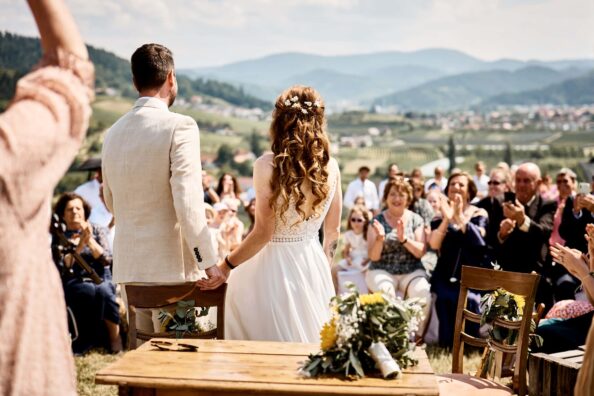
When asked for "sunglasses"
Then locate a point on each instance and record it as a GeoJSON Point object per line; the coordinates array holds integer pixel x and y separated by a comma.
{"type": "Point", "coordinates": [494, 182]}
{"type": "Point", "coordinates": [355, 220]}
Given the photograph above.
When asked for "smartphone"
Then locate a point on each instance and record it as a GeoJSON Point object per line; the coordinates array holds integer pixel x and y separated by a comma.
{"type": "Point", "coordinates": [584, 188]}
{"type": "Point", "coordinates": [509, 197]}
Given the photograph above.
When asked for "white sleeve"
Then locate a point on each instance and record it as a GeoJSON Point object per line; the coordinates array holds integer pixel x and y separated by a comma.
{"type": "Point", "coordinates": [349, 196]}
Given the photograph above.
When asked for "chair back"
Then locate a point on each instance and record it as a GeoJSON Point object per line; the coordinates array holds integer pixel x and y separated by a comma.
{"type": "Point", "coordinates": [164, 296]}
{"type": "Point", "coordinates": [481, 279]}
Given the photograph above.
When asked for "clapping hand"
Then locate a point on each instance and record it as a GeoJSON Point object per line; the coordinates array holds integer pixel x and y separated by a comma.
{"type": "Point", "coordinates": [514, 211]}
{"type": "Point", "coordinates": [380, 232]}
{"type": "Point", "coordinates": [458, 216]}
{"type": "Point", "coordinates": [400, 230]}
{"type": "Point", "coordinates": [571, 259]}
{"type": "Point", "coordinates": [447, 212]}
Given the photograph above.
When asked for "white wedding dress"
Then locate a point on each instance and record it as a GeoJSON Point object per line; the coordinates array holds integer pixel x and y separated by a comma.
{"type": "Point", "coordinates": [283, 292]}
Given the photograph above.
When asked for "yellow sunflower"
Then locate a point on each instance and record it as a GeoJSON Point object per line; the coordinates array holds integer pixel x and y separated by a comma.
{"type": "Point", "coordinates": [328, 335]}
{"type": "Point", "coordinates": [370, 299]}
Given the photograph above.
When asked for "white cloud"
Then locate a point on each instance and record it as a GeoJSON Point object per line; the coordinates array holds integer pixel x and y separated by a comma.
{"type": "Point", "coordinates": [206, 32]}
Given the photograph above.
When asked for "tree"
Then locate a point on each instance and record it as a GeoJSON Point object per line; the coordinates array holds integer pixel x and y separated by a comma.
{"type": "Point", "coordinates": [254, 141]}
{"type": "Point", "coordinates": [507, 155]}
{"type": "Point", "coordinates": [224, 155]}
{"type": "Point", "coordinates": [452, 152]}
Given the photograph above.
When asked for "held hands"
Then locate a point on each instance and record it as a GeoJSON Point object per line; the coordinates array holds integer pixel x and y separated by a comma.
{"type": "Point", "coordinates": [217, 275]}
{"type": "Point", "coordinates": [514, 211]}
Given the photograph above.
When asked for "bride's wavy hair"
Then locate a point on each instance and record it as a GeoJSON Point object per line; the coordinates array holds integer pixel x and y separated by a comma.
{"type": "Point", "coordinates": [301, 149]}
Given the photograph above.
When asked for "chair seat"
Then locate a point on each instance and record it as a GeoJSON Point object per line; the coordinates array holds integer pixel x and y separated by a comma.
{"type": "Point", "coordinates": [467, 385]}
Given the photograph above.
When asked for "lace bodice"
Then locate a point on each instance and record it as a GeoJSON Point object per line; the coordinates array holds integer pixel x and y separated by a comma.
{"type": "Point", "coordinates": [292, 228]}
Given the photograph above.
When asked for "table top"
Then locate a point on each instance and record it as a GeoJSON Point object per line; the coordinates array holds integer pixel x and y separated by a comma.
{"type": "Point", "coordinates": [256, 366]}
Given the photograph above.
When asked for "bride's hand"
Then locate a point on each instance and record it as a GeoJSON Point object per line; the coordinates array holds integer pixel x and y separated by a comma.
{"type": "Point", "coordinates": [216, 274]}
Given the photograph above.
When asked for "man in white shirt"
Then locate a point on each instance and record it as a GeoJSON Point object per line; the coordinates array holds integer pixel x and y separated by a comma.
{"type": "Point", "coordinates": [439, 181]}
{"type": "Point", "coordinates": [91, 192]}
{"type": "Point", "coordinates": [481, 181]}
{"type": "Point", "coordinates": [364, 187]}
{"type": "Point", "coordinates": [393, 171]}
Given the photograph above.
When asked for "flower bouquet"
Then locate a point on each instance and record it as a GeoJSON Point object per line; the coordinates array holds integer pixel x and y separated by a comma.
{"type": "Point", "coordinates": [186, 318]}
{"type": "Point", "coordinates": [366, 333]}
{"type": "Point", "coordinates": [504, 305]}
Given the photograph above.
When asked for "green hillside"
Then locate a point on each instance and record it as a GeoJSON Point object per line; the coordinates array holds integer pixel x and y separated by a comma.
{"type": "Point", "coordinates": [18, 54]}
{"type": "Point", "coordinates": [573, 92]}
{"type": "Point", "coordinates": [468, 89]}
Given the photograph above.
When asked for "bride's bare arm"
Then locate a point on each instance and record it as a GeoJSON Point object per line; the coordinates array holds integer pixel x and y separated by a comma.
{"type": "Point", "coordinates": [332, 222]}
{"type": "Point", "coordinates": [264, 225]}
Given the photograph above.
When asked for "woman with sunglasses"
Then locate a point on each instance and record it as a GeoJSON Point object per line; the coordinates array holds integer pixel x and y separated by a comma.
{"type": "Point", "coordinates": [396, 243]}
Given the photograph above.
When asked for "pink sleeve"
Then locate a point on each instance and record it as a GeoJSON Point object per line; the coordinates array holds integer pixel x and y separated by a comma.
{"type": "Point", "coordinates": [42, 129]}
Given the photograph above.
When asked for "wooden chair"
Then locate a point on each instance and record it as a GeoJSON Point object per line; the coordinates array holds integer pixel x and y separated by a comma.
{"type": "Point", "coordinates": [155, 297]}
{"type": "Point", "coordinates": [488, 280]}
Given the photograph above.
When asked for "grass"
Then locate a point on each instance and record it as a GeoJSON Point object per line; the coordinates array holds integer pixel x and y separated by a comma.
{"type": "Point", "coordinates": [88, 365]}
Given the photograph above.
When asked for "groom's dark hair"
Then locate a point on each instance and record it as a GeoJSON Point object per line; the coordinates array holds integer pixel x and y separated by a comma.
{"type": "Point", "coordinates": [150, 65]}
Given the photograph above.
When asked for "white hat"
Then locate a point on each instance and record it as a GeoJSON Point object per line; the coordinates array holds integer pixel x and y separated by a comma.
{"type": "Point", "coordinates": [220, 206]}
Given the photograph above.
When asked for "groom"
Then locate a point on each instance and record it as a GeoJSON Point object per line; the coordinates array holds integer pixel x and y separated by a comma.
{"type": "Point", "coordinates": [152, 183]}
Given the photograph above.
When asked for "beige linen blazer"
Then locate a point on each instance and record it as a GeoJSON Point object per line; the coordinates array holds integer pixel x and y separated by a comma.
{"type": "Point", "coordinates": [152, 183]}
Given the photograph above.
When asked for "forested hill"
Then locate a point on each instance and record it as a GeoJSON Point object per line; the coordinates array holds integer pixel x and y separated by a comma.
{"type": "Point", "coordinates": [18, 54]}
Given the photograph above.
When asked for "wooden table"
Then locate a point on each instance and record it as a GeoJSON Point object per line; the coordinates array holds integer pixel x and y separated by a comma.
{"type": "Point", "coordinates": [224, 367]}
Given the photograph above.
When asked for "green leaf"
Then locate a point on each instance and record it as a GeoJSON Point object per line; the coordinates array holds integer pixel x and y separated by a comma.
{"type": "Point", "coordinates": [356, 364]}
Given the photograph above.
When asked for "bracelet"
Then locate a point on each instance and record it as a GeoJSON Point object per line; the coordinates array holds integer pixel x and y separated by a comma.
{"type": "Point", "coordinates": [591, 273]}
{"type": "Point", "coordinates": [231, 266]}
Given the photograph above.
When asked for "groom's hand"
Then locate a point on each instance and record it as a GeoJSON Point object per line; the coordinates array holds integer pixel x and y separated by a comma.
{"type": "Point", "coordinates": [215, 279]}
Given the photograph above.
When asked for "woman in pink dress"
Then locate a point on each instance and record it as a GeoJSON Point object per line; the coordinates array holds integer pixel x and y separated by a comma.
{"type": "Point", "coordinates": [40, 133]}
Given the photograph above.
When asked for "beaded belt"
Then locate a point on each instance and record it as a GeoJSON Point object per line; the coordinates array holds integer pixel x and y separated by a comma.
{"type": "Point", "coordinates": [299, 238]}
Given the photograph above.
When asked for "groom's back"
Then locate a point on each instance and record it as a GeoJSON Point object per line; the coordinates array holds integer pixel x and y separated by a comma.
{"type": "Point", "coordinates": [148, 245]}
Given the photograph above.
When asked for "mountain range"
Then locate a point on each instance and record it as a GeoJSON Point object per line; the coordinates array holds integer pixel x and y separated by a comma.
{"type": "Point", "coordinates": [425, 80]}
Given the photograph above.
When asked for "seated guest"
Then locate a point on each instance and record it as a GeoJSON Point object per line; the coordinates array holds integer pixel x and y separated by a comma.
{"type": "Point", "coordinates": [564, 284]}
{"type": "Point", "coordinates": [480, 180]}
{"type": "Point", "coordinates": [499, 184]}
{"type": "Point", "coordinates": [578, 211]}
{"type": "Point", "coordinates": [419, 204]}
{"type": "Point", "coordinates": [396, 243]}
{"type": "Point", "coordinates": [354, 251]}
{"type": "Point", "coordinates": [581, 268]}
{"type": "Point", "coordinates": [250, 209]}
{"type": "Point", "coordinates": [459, 236]}
{"type": "Point", "coordinates": [229, 189]}
{"type": "Point", "coordinates": [232, 229]}
{"type": "Point", "coordinates": [210, 195]}
{"type": "Point", "coordinates": [94, 305]}
{"type": "Point", "coordinates": [524, 233]}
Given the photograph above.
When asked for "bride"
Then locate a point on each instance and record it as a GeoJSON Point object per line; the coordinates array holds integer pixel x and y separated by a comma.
{"type": "Point", "coordinates": [280, 285]}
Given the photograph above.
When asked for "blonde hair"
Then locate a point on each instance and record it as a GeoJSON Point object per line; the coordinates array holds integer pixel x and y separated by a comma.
{"type": "Point", "coordinates": [301, 149]}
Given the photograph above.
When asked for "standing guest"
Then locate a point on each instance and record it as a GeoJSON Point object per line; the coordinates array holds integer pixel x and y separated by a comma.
{"type": "Point", "coordinates": [210, 195]}
{"type": "Point", "coordinates": [525, 231]}
{"type": "Point", "coordinates": [157, 197]}
{"type": "Point", "coordinates": [439, 181]}
{"type": "Point", "coordinates": [362, 186]}
{"type": "Point", "coordinates": [499, 184]}
{"type": "Point", "coordinates": [480, 180]}
{"type": "Point", "coordinates": [228, 188]}
{"type": "Point", "coordinates": [354, 252]}
{"type": "Point", "coordinates": [40, 133]}
{"type": "Point", "coordinates": [396, 243]}
{"type": "Point", "coordinates": [94, 306]}
{"type": "Point", "coordinates": [91, 192]}
{"type": "Point", "coordinates": [459, 236]}
{"type": "Point", "coordinates": [546, 189]}
{"type": "Point", "coordinates": [393, 171]}
{"type": "Point", "coordinates": [416, 174]}
{"type": "Point", "coordinates": [566, 185]}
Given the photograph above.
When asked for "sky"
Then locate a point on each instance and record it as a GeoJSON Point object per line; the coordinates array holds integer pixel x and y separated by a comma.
{"type": "Point", "coordinates": [214, 32]}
